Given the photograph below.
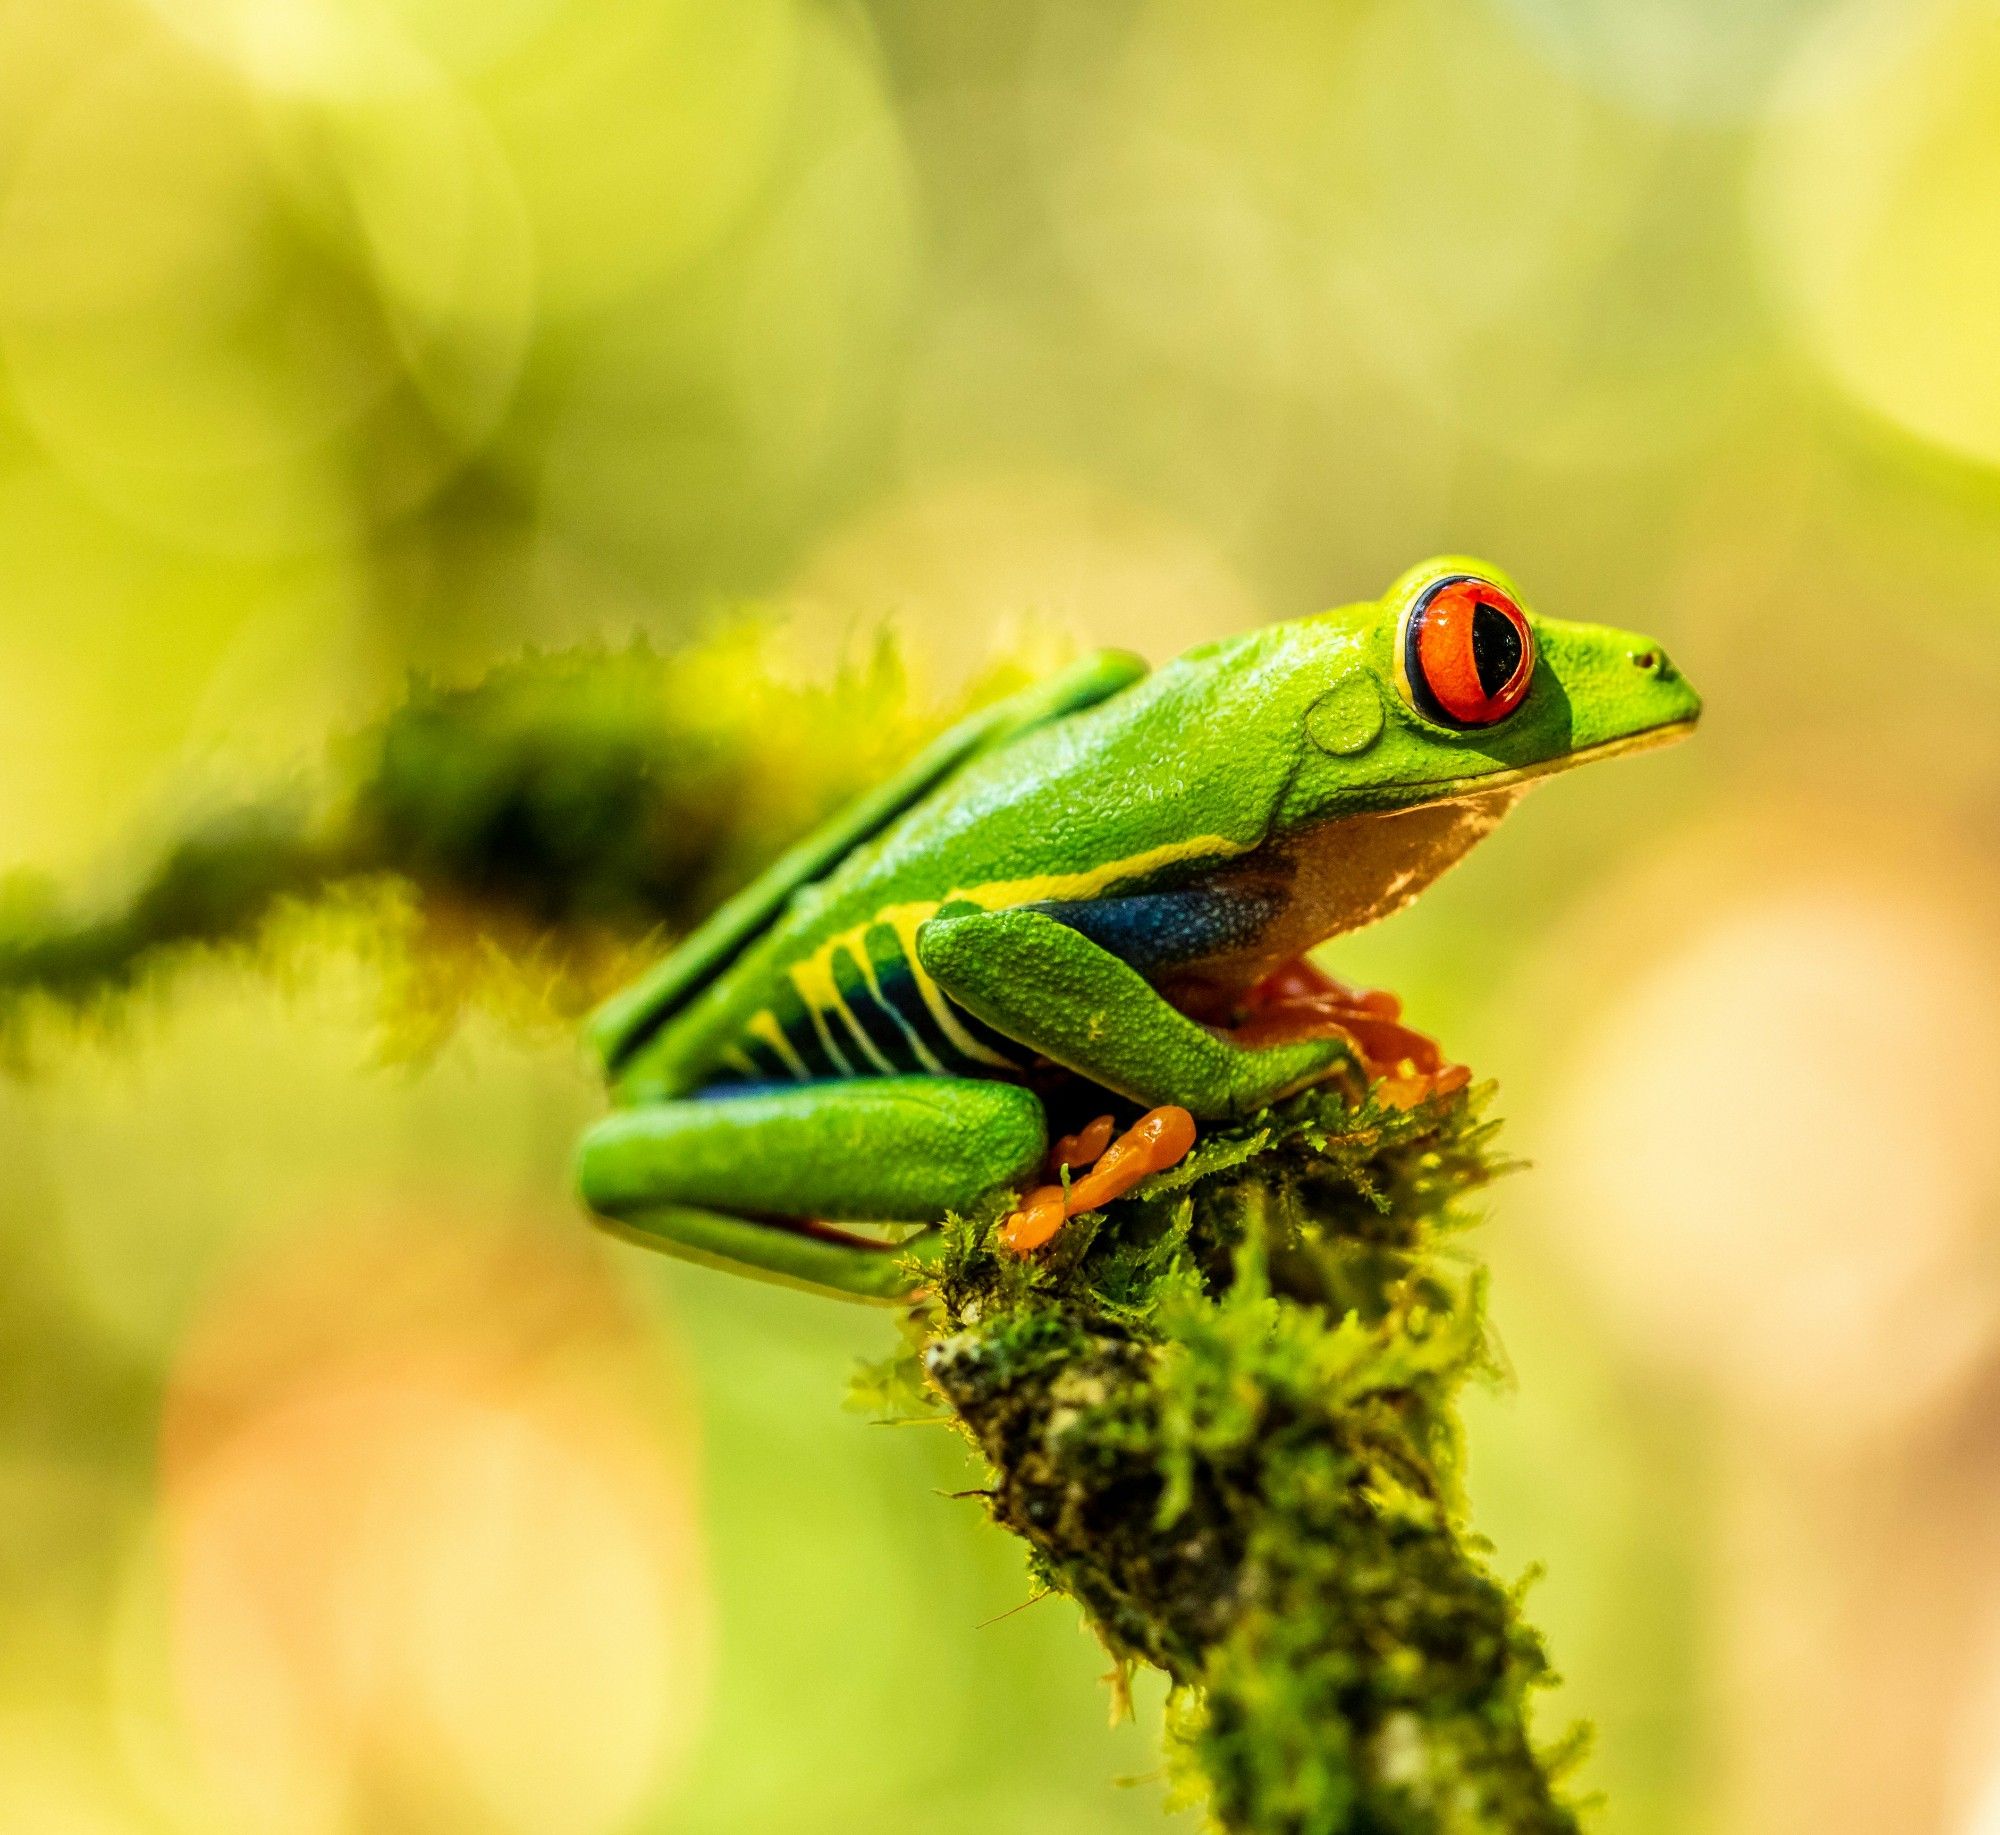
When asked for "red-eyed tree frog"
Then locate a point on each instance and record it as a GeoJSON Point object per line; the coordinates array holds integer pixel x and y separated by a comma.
{"type": "Point", "coordinates": [1096, 894]}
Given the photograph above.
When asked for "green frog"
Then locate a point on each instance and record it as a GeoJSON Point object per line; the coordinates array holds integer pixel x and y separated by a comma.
{"type": "Point", "coordinates": [1098, 894]}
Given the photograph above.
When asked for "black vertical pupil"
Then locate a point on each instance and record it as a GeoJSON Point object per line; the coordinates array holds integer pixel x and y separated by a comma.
{"type": "Point", "coordinates": [1496, 647]}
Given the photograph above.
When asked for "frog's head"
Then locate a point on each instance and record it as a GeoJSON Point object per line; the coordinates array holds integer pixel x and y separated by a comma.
{"type": "Point", "coordinates": [1450, 688]}
{"type": "Point", "coordinates": [1412, 725]}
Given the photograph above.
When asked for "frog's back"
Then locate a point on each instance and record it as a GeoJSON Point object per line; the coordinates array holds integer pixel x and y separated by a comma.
{"type": "Point", "coordinates": [639, 1024]}
{"type": "Point", "coordinates": [1067, 806]}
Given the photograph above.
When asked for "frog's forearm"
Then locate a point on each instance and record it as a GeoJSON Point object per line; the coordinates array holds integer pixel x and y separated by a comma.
{"type": "Point", "coordinates": [1050, 987]}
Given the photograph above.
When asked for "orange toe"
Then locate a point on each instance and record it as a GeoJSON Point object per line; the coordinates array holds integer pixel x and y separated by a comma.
{"type": "Point", "coordinates": [1158, 1139]}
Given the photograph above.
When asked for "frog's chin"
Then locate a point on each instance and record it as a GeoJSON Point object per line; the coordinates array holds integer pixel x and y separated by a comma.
{"type": "Point", "coordinates": [1518, 775]}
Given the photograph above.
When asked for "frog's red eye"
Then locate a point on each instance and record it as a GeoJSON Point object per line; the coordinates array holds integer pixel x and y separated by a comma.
{"type": "Point", "coordinates": [1468, 654]}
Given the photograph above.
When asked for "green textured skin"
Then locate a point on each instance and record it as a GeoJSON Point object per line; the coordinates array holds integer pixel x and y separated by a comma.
{"type": "Point", "coordinates": [1100, 784]}
{"type": "Point", "coordinates": [711, 947]}
{"type": "Point", "coordinates": [913, 1148]}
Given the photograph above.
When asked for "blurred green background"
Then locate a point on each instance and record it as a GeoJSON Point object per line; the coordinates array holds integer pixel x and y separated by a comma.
{"type": "Point", "coordinates": [347, 1483]}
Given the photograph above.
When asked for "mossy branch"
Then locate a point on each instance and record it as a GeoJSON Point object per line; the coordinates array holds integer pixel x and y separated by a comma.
{"type": "Point", "coordinates": [557, 819]}
{"type": "Point", "coordinates": [1222, 1416]}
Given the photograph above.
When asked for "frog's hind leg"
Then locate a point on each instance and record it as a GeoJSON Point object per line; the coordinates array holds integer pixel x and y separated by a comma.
{"type": "Point", "coordinates": [760, 1180]}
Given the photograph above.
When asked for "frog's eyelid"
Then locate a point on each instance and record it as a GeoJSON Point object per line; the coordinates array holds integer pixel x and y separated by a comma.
{"type": "Point", "coordinates": [1413, 608]}
{"type": "Point", "coordinates": [1414, 681]}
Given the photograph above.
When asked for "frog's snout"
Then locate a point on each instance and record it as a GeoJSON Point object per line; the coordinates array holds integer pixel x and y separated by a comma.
{"type": "Point", "coordinates": [1666, 695]}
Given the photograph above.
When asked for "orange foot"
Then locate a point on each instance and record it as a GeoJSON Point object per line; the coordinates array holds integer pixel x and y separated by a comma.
{"type": "Point", "coordinates": [1298, 1001]}
{"type": "Point", "coordinates": [1158, 1139]}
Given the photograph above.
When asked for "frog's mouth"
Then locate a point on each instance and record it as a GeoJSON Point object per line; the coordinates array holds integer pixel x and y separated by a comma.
{"type": "Point", "coordinates": [1649, 740]}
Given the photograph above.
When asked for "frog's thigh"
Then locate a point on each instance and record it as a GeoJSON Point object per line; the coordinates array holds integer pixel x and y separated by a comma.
{"type": "Point", "coordinates": [874, 1148]}
{"type": "Point", "coordinates": [1053, 989]}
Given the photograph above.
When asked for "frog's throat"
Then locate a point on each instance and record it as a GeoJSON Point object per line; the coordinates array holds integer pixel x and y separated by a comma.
{"type": "Point", "coordinates": [1351, 871]}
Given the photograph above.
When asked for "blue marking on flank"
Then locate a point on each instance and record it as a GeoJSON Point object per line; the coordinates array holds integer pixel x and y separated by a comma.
{"type": "Point", "coordinates": [1156, 931]}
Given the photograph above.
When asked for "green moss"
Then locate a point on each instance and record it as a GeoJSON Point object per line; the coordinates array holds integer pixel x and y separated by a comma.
{"type": "Point", "coordinates": [1221, 1414]}
{"type": "Point", "coordinates": [208, 888]}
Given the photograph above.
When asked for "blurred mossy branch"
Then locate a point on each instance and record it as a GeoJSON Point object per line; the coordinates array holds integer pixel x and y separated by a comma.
{"type": "Point", "coordinates": [521, 840]}
{"type": "Point", "coordinates": [1222, 1415]}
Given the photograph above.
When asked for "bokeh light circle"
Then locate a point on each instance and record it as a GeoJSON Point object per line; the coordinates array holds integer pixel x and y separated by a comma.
{"type": "Point", "coordinates": [694, 428]}
{"type": "Point", "coordinates": [189, 308]}
{"type": "Point", "coordinates": [395, 1584]}
{"type": "Point", "coordinates": [639, 133]}
{"type": "Point", "coordinates": [1698, 60]}
{"type": "Point", "coordinates": [355, 48]}
{"type": "Point", "coordinates": [153, 326]}
{"type": "Point", "coordinates": [1879, 209]}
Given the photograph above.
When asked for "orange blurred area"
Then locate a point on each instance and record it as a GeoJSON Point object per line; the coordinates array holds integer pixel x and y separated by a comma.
{"type": "Point", "coordinates": [349, 1485]}
{"type": "Point", "coordinates": [429, 1548]}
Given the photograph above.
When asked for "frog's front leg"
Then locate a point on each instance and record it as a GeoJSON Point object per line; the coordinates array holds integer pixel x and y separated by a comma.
{"type": "Point", "coordinates": [1043, 982]}
{"type": "Point", "coordinates": [757, 1180]}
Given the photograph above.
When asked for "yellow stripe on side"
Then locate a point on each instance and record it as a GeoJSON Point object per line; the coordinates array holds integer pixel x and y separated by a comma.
{"type": "Point", "coordinates": [841, 1061]}
{"type": "Point", "coordinates": [856, 944]}
{"type": "Point", "coordinates": [905, 921]}
{"type": "Point", "coordinates": [830, 1045]}
{"type": "Point", "coordinates": [998, 894]}
{"type": "Point", "coordinates": [819, 988]}
{"type": "Point", "coordinates": [764, 1028]}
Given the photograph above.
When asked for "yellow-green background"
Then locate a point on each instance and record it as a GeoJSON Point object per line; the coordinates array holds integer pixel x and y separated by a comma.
{"type": "Point", "coordinates": [347, 1484]}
